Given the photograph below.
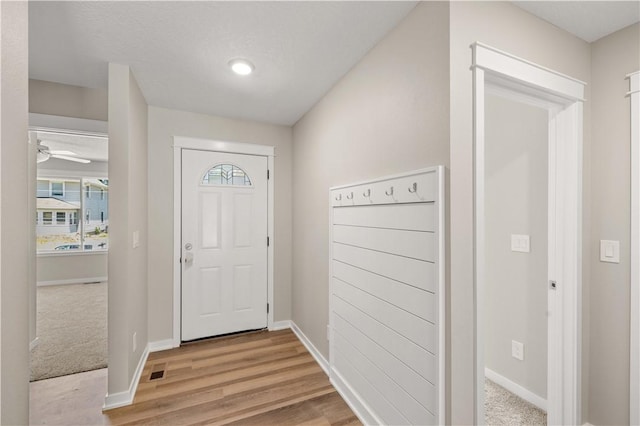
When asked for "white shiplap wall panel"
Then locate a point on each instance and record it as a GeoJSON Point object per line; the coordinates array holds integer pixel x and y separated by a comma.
{"type": "Point", "coordinates": [417, 245]}
{"type": "Point", "coordinates": [387, 296]}
{"type": "Point", "coordinates": [418, 217]}
{"type": "Point", "coordinates": [411, 299]}
{"type": "Point", "coordinates": [400, 268]}
{"type": "Point", "coordinates": [418, 359]}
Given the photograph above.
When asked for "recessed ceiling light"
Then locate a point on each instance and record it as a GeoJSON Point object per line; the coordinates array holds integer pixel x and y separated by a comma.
{"type": "Point", "coordinates": [241, 66]}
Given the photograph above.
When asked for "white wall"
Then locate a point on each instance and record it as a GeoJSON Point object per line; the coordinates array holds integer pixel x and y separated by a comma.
{"type": "Point", "coordinates": [611, 59]}
{"type": "Point", "coordinates": [163, 125]}
{"type": "Point", "coordinates": [15, 258]}
{"type": "Point", "coordinates": [389, 114]}
{"type": "Point", "coordinates": [506, 27]}
{"type": "Point", "coordinates": [127, 267]}
{"type": "Point", "coordinates": [516, 200]}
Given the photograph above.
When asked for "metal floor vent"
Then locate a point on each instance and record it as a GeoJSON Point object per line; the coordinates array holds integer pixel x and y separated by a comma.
{"type": "Point", "coordinates": [157, 375]}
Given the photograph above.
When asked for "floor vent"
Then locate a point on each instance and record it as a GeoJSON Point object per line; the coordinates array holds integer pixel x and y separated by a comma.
{"type": "Point", "coordinates": [157, 375]}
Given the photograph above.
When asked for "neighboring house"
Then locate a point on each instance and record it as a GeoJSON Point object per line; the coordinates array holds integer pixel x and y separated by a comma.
{"type": "Point", "coordinates": [71, 206]}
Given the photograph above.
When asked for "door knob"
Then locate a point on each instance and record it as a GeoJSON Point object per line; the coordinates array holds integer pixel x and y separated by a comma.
{"type": "Point", "coordinates": [188, 258]}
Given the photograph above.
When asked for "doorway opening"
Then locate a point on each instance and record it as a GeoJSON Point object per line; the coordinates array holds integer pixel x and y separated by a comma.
{"type": "Point", "coordinates": [497, 72]}
{"type": "Point", "coordinates": [71, 238]}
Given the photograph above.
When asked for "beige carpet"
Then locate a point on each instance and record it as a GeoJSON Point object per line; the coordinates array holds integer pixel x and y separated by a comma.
{"type": "Point", "coordinates": [72, 330]}
{"type": "Point", "coordinates": [504, 408]}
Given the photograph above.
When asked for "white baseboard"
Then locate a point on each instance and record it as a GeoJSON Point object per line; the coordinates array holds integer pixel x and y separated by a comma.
{"type": "Point", "coordinates": [321, 360]}
{"type": "Point", "coordinates": [280, 325]}
{"type": "Point", "coordinates": [121, 399]}
{"type": "Point", "coordinates": [161, 345]}
{"type": "Point", "coordinates": [516, 389]}
{"type": "Point", "coordinates": [357, 405]}
{"type": "Point", "coordinates": [587, 424]}
{"type": "Point", "coordinates": [72, 281]}
{"type": "Point", "coordinates": [35, 342]}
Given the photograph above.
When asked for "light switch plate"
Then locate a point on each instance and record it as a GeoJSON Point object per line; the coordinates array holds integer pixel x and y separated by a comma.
{"type": "Point", "coordinates": [610, 251]}
{"type": "Point", "coordinates": [520, 243]}
{"type": "Point", "coordinates": [136, 239]}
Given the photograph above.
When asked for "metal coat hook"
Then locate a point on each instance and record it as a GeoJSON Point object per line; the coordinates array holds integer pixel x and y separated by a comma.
{"type": "Point", "coordinates": [389, 192]}
{"type": "Point", "coordinates": [367, 193]}
{"type": "Point", "coordinates": [339, 197]}
{"type": "Point", "coordinates": [414, 187]}
{"type": "Point", "coordinates": [350, 196]}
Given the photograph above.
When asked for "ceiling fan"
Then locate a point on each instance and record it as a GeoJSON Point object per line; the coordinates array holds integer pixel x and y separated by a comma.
{"type": "Point", "coordinates": [44, 153]}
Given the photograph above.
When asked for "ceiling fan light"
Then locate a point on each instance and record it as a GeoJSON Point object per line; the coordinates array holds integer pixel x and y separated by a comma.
{"type": "Point", "coordinates": [241, 66]}
{"type": "Point", "coordinates": [41, 157]}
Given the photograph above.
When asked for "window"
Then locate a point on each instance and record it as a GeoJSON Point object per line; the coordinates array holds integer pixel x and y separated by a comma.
{"type": "Point", "coordinates": [226, 174]}
{"type": "Point", "coordinates": [57, 189]}
{"type": "Point", "coordinates": [61, 218]}
{"type": "Point", "coordinates": [70, 223]}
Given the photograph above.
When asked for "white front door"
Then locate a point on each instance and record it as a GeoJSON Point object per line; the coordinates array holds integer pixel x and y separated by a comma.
{"type": "Point", "coordinates": [224, 243]}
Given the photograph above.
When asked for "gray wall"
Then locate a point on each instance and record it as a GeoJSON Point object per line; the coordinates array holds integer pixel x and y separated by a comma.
{"type": "Point", "coordinates": [389, 114]}
{"type": "Point", "coordinates": [127, 267]}
{"type": "Point", "coordinates": [506, 27]}
{"type": "Point", "coordinates": [46, 97]}
{"type": "Point", "coordinates": [612, 58]}
{"type": "Point", "coordinates": [516, 200]}
{"type": "Point", "coordinates": [16, 260]}
{"type": "Point", "coordinates": [163, 125]}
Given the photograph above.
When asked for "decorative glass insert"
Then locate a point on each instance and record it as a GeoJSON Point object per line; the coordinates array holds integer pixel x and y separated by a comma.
{"type": "Point", "coordinates": [226, 174]}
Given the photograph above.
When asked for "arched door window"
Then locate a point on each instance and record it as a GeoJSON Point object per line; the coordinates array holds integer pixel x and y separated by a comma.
{"type": "Point", "coordinates": [226, 174]}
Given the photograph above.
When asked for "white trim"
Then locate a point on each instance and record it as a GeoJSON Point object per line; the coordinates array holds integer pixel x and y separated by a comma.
{"type": "Point", "coordinates": [88, 280]}
{"type": "Point", "coordinates": [121, 399]}
{"type": "Point", "coordinates": [161, 345]}
{"type": "Point", "coordinates": [280, 325]}
{"type": "Point", "coordinates": [564, 98]}
{"type": "Point", "coordinates": [56, 123]}
{"type": "Point", "coordinates": [365, 414]}
{"type": "Point", "coordinates": [222, 146]}
{"type": "Point", "coordinates": [634, 342]}
{"type": "Point", "coordinates": [182, 142]}
{"type": "Point", "coordinates": [516, 389]}
{"type": "Point", "coordinates": [63, 253]}
{"type": "Point", "coordinates": [34, 343]}
{"type": "Point", "coordinates": [521, 72]}
{"type": "Point", "coordinates": [315, 353]}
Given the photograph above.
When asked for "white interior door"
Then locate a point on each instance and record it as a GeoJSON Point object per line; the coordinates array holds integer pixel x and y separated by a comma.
{"type": "Point", "coordinates": [224, 243]}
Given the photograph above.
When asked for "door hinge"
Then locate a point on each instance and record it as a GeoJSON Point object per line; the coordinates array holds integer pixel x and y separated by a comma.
{"type": "Point", "coordinates": [180, 260]}
{"type": "Point", "coordinates": [267, 174]}
{"type": "Point", "coordinates": [267, 241]}
{"type": "Point", "coordinates": [267, 308]}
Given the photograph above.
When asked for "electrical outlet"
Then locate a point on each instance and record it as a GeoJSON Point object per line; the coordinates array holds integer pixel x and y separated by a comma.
{"type": "Point", "coordinates": [135, 341]}
{"type": "Point", "coordinates": [517, 350]}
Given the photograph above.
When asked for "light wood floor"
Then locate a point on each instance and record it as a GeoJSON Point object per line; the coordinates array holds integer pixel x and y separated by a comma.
{"type": "Point", "coordinates": [263, 378]}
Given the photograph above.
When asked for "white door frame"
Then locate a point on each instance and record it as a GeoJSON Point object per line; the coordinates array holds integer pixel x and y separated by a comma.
{"type": "Point", "coordinates": [562, 96]}
{"type": "Point", "coordinates": [634, 391]}
{"type": "Point", "coordinates": [180, 143]}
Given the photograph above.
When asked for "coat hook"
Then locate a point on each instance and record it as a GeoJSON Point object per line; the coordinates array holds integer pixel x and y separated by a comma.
{"type": "Point", "coordinates": [339, 197]}
{"type": "Point", "coordinates": [414, 187]}
{"type": "Point", "coordinates": [367, 193]}
{"type": "Point", "coordinates": [389, 192]}
{"type": "Point", "coordinates": [350, 196]}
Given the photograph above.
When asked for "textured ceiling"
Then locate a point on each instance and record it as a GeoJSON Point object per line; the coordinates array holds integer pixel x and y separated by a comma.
{"type": "Point", "coordinates": [589, 20]}
{"type": "Point", "coordinates": [179, 50]}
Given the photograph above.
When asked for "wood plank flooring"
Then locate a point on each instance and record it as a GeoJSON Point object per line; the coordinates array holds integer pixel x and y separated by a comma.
{"type": "Point", "coordinates": [262, 378]}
